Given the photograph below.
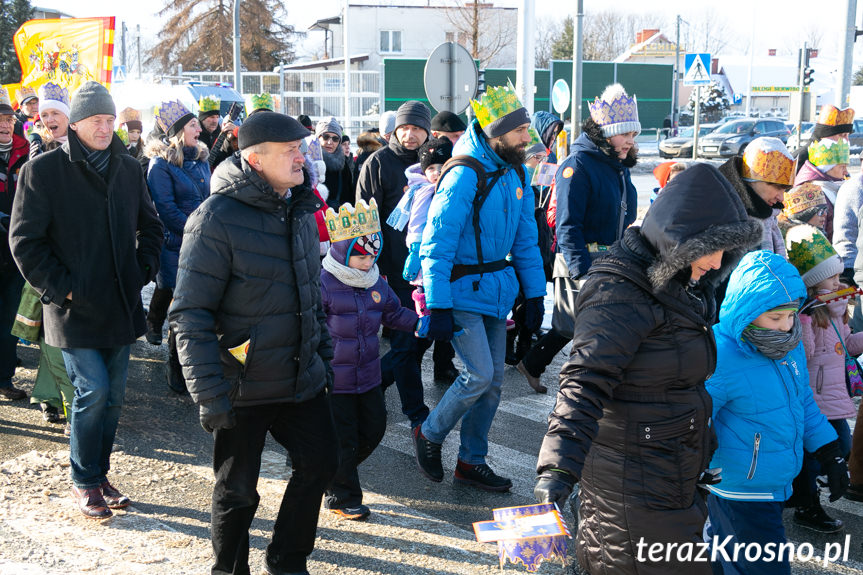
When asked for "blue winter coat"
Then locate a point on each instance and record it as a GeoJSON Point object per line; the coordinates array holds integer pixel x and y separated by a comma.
{"type": "Point", "coordinates": [354, 316]}
{"type": "Point", "coordinates": [763, 410]}
{"type": "Point", "coordinates": [590, 186]}
{"type": "Point", "coordinates": [177, 192]}
{"type": "Point", "coordinates": [542, 121]}
{"type": "Point", "coordinates": [507, 228]}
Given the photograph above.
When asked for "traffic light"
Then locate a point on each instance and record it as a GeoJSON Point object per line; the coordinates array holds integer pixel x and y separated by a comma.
{"type": "Point", "coordinates": [480, 83]}
{"type": "Point", "coordinates": [807, 75]}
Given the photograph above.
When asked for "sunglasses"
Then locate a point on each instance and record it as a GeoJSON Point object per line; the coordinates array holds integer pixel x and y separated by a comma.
{"type": "Point", "coordinates": [327, 138]}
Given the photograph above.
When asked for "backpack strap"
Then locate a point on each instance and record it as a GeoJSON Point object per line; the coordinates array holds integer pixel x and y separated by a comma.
{"type": "Point", "coordinates": [485, 182]}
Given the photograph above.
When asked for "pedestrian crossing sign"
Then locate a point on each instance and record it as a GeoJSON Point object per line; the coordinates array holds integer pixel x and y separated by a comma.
{"type": "Point", "coordinates": [697, 68]}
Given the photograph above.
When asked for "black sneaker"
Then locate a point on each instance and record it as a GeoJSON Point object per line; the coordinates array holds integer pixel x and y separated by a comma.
{"type": "Point", "coordinates": [49, 413]}
{"type": "Point", "coordinates": [356, 513]}
{"type": "Point", "coordinates": [428, 456]}
{"type": "Point", "coordinates": [816, 519]}
{"type": "Point", "coordinates": [481, 476]}
{"type": "Point", "coordinates": [154, 336]}
{"type": "Point", "coordinates": [855, 492]}
{"type": "Point", "coordinates": [446, 375]}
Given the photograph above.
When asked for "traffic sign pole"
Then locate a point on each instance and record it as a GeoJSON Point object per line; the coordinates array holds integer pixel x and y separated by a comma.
{"type": "Point", "coordinates": [697, 114]}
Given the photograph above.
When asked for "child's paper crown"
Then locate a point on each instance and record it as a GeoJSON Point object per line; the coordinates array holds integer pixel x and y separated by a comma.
{"type": "Point", "coordinates": [826, 152]}
{"type": "Point", "coordinates": [209, 104]}
{"type": "Point", "coordinates": [615, 108]}
{"type": "Point", "coordinates": [353, 222]}
{"type": "Point", "coordinates": [495, 103]}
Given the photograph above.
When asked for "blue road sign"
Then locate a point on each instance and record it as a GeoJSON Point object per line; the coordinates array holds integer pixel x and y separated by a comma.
{"type": "Point", "coordinates": [697, 68]}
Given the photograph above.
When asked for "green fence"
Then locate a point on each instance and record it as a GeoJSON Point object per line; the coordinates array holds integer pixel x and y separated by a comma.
{"type": "Point", "coordinates": [650, 83]}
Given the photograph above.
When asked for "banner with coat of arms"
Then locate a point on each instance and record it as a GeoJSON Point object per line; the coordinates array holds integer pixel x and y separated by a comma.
{"type": "Point", "coordinates": [67, 51]}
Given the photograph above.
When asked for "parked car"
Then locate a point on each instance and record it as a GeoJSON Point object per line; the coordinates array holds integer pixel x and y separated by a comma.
{"type": "Point", "coordinates": [855, 138]}
{"type": "Point", "coordinates": [680, 146]}
{"type": "Point", "coordinates": [732, 138]}
{"type": "Point", "coordinates": [793, 141]}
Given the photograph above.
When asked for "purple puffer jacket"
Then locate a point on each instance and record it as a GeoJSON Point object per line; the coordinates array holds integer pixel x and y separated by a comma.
{"type": "Point", "coordinates": [354, 316]}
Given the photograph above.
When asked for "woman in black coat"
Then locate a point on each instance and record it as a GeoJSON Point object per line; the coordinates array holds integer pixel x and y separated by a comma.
{"type": "Point", "coordinates": [632, 419]}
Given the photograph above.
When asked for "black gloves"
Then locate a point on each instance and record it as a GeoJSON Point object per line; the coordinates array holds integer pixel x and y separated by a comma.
{"type": "Point", "coordinates": [331, 376]}
{"type": "Point", "coordinates": [834, 466]}
{"type": "Point", "coordinates": [217, 413]}
{"type": "Point", "coordinates": [441, 325]}
{"type": "Point", "coordinates": [533, 312]}
{"type": "Point", "coordinates": [553, 486]}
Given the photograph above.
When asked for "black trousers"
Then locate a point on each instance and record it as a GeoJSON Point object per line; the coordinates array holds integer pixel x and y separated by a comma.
{"type": "Point", "coordinates": [543, 351]}
{"type": "Point", "coordinates": [158, 310]}
{"type": "Point", "coordinates": [306, 430]}
{"type": "Point", "coordinates": [361, 420]}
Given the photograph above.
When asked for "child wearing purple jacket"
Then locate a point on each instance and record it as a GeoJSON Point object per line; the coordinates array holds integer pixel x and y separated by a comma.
{"type": "Point", "coordinates": [357, 300]}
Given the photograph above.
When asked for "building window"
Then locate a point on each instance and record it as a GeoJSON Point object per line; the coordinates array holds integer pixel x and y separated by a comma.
{"type": "Point", "coordinates": [391, 41]}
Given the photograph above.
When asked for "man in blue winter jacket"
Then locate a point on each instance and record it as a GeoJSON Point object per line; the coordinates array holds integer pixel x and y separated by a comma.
{"type": "Point", "coordinates": [472, 268]}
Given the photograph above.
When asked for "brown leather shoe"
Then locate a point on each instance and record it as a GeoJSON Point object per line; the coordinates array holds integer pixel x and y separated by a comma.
{"type": "Point", "coordinates": [12, 392]}
{"type": "Point", "coordinates": [91, 503]}
{"type": "Point", "coordinates": [114, 498]}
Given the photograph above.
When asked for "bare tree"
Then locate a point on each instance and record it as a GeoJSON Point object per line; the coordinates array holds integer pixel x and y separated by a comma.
{"type": "Point", "coordinates": [708, 31]}
{"type": "Point", "coordinates": [485, 29]}
{"type": "Point", "coordinates": [547, 29]}
{"type": "Point", "coordinates": [608, 33]}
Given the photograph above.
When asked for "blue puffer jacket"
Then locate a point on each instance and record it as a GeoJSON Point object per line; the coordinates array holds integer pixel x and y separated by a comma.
{"type": "Point", "coordinates": [543, 122]}
{"type": "Point", "coordinates": [590, 185]}
{"type": "Point", "coordinates": [177, 192]}
{"type": "Point", "coordinates": [763, 410]}
{"type": "Point", "coordinates": [507, 227]}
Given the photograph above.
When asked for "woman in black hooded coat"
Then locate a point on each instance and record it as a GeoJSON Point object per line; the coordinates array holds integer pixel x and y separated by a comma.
{"type": "Point", "coordinates": [632, 419]}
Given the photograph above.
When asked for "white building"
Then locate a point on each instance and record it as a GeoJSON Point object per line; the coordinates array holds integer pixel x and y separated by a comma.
{"type": "Point", "coordinates": [413, 28]}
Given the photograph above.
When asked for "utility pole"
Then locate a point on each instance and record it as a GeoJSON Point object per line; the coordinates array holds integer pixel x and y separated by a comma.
{"type": "Point", "coordinates": [802, 63]}
{"type": "Point", "coordinates": [525, 54]}
{"type": "Point", "coordinates": [123, 43]}
{"type": "Point", "coordinates": [238, 72]}
{"type": "Point", "coordinates": [138, 40]}
{"type": "Point", "coordinates": [675, 87]}
{"type": "Point", "coordinates": [749, 72]}
{"type": "Point", "coordinates": [282, 87]}
{"type": "Point", "coordinates": [843, 86]}
{"type": "Point", "coordinates": [578, 37]}
{"type": "Point", "coordinates": [345, 30]}
{"type": "Point", "coordinates": [695, 127]}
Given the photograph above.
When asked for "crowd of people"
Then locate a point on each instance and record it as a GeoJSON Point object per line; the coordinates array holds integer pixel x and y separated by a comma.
{"type": "Point", "coordinates": [711, 372]}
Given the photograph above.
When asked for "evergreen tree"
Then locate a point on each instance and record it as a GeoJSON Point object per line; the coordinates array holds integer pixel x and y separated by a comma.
{"type": "Point", "coordinates": [13, 13]}
{"type": "Point", "coordinates": [199, 35]}
{"type": "Point", "coordinates": [561, 49]}
{"type": "Point", "coordinates": [714, 102]}
{"type": "Point", "coordinates": [857, 80]}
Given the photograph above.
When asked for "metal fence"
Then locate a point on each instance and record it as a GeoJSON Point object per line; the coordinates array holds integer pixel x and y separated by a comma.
{"type": "Point", "coordinates": [317, 93]}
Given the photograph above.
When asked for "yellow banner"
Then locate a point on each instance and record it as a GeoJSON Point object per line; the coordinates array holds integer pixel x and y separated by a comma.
{"type": "Point", "coordinates": [68, 51]}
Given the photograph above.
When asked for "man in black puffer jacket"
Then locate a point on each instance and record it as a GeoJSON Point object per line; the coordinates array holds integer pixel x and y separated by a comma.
{"type": "Point", "coordinates": [632, 418]}
{"type": "Point", "coordinates": [249, 278]}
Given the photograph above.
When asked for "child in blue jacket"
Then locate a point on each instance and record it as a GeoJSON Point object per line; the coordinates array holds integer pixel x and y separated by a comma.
{"type": "Point", "coordinates": [764, 414]}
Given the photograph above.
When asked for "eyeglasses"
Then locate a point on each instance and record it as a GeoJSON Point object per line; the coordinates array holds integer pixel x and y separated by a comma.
{"type": "Point", "coordinates": [330, 138]}
{"type": "Point", "coordinates": [821, 211]}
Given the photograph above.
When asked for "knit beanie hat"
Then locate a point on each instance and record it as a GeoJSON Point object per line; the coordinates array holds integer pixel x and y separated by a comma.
{"type": "Point", "coordinates": [615, 112]}
{"type": "Point", "coordinates": [91, 99]}
{"type": "Point", "coordinates": [499, 111]}
{"type": "Point", "coordinates": [172, 117]}
{"type": "Point", "coordinates": [387, 123]}
{"type": "Point", "coordinates": [131, 118]}
{"type": "Point", "coordinates": [768, 160]}
{"type": "Point", "coordinates": [446, 121]}
{"type": "Point", "coordinates": [415, 113]}
{"type": "Point", "coordinates": [267, 126]}
{"type": "Point", "coordinates": [305, 121]}
{"type": "Point", "coordinates": [832, 121]}
{"type": "Point", "coordinates": [330, 125]}
{"type": "Point", "coordinates": [803, 202]}
{"type": "Point", "coordinates": [810, 252]}
{"type": "Point", "coordinates": [53, 97]}
{"type": "Point", "coordinates": [435, 151]}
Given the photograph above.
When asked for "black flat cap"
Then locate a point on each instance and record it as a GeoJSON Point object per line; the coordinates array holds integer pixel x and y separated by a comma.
{"type": "Point", "coordinates": [270, 127]}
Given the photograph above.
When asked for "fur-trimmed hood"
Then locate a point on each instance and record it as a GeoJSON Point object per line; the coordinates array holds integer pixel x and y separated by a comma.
{"type": "Point", "coordinates": [156, 148]}
{"type": "Point", "coordinates": [755, 206]}
{"type": "Point", "coordinates": [698, 213]}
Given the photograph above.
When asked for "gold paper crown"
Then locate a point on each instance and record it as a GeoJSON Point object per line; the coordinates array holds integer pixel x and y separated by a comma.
{"type": "Point", "coordinates": [129, 115]}
{"type": "Point", "coordinates": [802, 197]}
{"type": "Point", "coordinates": [496, 103]}
{"type": "Point", "coordinates": [353, 222]}
{"type": "Point", "coordinates": [209, 104]}
{"type": "Point", "coordinates": [768, 160]}
{"type": "Point", "coordinates": [832, 116]}
{"type": "Point", "coordinates": [24, 94]}
{"type": "Point", "coordinates": [827, 152]}
{"type": "Point", "coordinates": [4, 97]}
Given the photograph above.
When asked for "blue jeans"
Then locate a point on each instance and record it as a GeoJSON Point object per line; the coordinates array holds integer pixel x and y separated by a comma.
{"type": "Point", "coordinates": [746, 522]}
{"type": "Point", "coordinates": [11, 284]}
{"type": "Point", "coordinates": [99, 377]}
{"type": "Point", "coordinates": [474, 396]}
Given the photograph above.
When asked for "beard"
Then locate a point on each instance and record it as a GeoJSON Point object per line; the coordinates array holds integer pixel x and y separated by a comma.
{"type": "Point", "coordinates": [335, 161]}
{"type": "Point", "coordinates": [513, 155]}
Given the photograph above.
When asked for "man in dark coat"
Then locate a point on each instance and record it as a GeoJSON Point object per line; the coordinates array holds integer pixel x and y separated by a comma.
{"type": "Point", "coordinates": [632, 418]}
{"type": "Point", "coordinates": [253, 342]}
{"type": "Point", "coordinates": [86, 236]}
{"type": "Point", "coordinates": [13, 154]}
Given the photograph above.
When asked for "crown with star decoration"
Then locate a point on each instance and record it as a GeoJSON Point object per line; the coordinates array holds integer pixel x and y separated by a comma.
{"type": "Point", "coordinates": [495, 103]}
{"type": "Point", "coordinates": [827, 152]}
{"type": "Point", "coordinates": [353, 221]}
{"type": "Point", "coordinates": [209, 104]}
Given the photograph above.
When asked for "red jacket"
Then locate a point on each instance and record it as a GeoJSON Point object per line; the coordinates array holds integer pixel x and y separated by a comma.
{"type": "Point", "coordinates": [8, 181]}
